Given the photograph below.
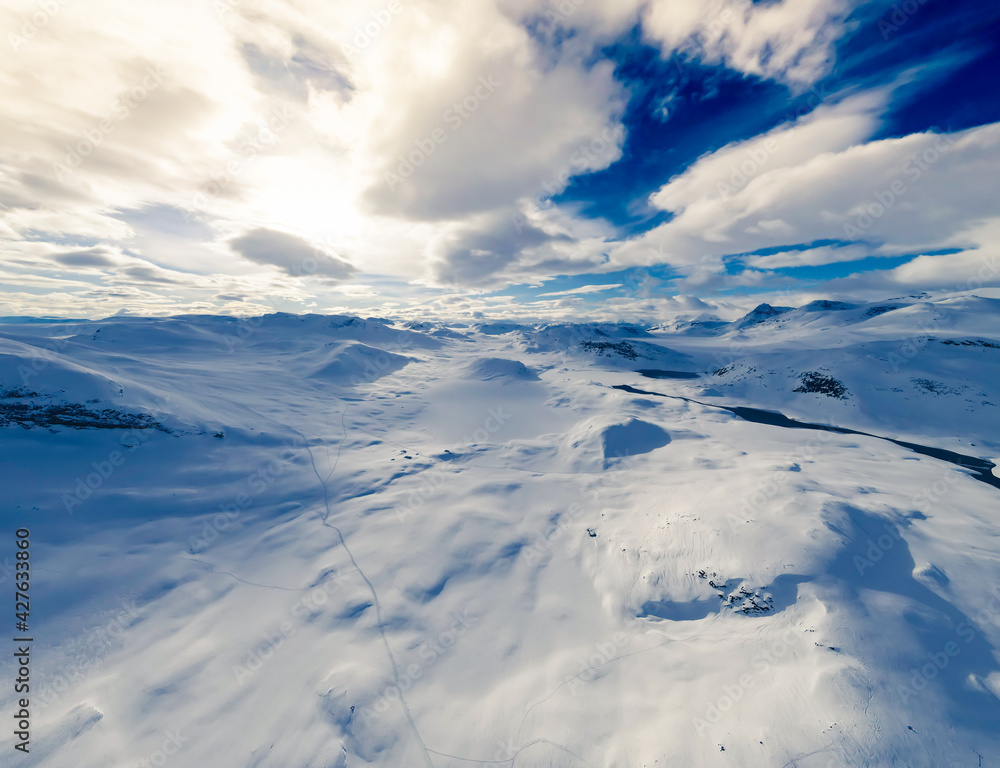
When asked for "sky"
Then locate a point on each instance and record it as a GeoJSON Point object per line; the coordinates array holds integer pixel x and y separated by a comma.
{"type": "Point", "coordinates": [494, 159]}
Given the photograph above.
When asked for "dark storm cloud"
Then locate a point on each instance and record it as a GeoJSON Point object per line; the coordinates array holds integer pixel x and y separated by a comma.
{"type": "Point", "coordinates": [291, 254]}
{"type": "Point", "coordinates": [479, 254]}
{"type": "Point", "coordinates": [90, 257]}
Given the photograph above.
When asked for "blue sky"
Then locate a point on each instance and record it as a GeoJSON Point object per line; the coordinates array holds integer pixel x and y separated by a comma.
{"type": "Point", "coordinates": [502, 158]}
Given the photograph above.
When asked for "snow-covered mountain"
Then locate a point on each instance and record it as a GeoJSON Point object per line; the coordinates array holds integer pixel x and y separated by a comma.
{"type": "Point", "coordinates": [314, 541]}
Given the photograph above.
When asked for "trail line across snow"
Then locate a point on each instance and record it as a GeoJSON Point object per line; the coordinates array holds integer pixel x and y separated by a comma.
{"type": "Point", "coordinates": [324, 518]}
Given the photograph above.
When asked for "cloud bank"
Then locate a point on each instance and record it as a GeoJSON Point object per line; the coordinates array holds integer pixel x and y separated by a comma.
{"type": "Point", "coordinates": [262, 154]}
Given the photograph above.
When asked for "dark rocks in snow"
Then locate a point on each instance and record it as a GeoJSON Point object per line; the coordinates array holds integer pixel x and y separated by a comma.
{"type": "Point", "coordinates": [818, 383]}
{"type": "Point", "coordinates": [825, 305]}
{"type": "Point", "coordinates": [749, 601]}
{"type": "Point", "coordinates": [610, 348]}
{"type": "Point", "coordinates": [970, 343]}
{"type": "Point", "coordinates": [17, 392]}
{"type": "Point", "coordinates": [934, 387]}
{"type": "Point", "coordinates": [882, 309]}
{"type": "Point", "coordinates": [74, 415]}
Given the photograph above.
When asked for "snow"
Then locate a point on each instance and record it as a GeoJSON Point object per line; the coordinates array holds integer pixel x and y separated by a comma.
{"type": "Point", "coordinates": [354, 542]}
{"type": "Point", "coordinates": [491, 368]}
{"type": "Point", "coordinates": [349, 363]}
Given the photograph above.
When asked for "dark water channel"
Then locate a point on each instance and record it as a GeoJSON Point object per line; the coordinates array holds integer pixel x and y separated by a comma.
{"type": "Point", "coordinates": [655, 373]}
{"type": "Point", "coordinates": [981, 468]}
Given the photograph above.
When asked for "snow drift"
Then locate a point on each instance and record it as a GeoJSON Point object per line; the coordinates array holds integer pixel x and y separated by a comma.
{"type": "Point", "coordinates": [499, 368]}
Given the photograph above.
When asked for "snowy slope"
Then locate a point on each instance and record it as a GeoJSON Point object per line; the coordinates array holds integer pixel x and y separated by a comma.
{"type": "Point", "coordinates": [315, 542]}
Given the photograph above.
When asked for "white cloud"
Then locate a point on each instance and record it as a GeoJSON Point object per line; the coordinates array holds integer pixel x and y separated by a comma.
{"type": "Point", "coordinates": [789, 40]}
{"type": "Point", "coordinates": [976, 271]}
{"type": "Point", "coordinates": [584, 289]}
{"type": "Point", "coordinates": [786, 40]}
{"type": "Point", "coordinates": [141, 141]}
{"type": "Point", "coordinates": [287, 117]}
{"type": "Point", "coordinates": [493, 126]}
{"type": "Point", "coordinates": [809, 257]}
{"type": "Point", "coordinates": [918, 193]}
{"type": "Point", "coordinates": [725, 174]}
